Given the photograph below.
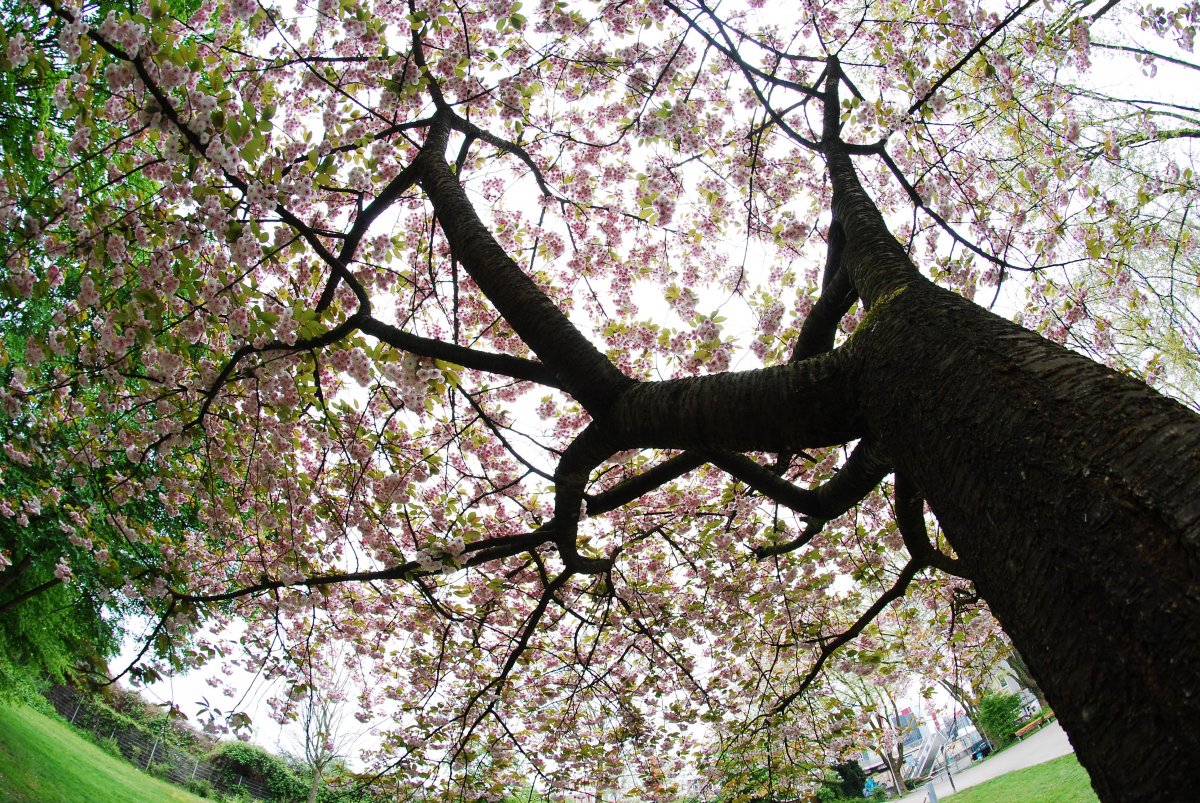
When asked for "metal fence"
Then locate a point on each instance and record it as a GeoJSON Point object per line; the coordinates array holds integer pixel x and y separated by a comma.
{"type": "Point", "coordinates": [152, 752]}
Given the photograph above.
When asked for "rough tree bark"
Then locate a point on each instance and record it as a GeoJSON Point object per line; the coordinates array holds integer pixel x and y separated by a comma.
{"type": "Point", "coordinates": [1071, 494]}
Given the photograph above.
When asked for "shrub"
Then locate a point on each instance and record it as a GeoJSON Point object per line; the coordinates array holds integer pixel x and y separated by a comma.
{"type": "Point", "coordinates": [96, 716]}
{"type": "Point", "coordinates": [110, 746]}
{"type": "Point", "coordinates": [200, 787]}
{"type": "Point", "coordinates": [236, 758]}
{"type": "Point", "coordinates": [128, 708]}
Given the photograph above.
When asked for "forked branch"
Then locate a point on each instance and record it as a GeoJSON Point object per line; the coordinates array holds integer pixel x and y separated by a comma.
{"type": "Point", "coordinates": [830, 646]}
{"type": "Point", "coordinates": [862, 472]}
{"type": "Point", "coordinates": [910, 520]}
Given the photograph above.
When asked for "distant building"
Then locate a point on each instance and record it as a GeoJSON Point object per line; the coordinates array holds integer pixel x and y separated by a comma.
{"type": "Point", "coordinates": [1003, 680]}
{"type": "Point", "coordinates": [911, 729]}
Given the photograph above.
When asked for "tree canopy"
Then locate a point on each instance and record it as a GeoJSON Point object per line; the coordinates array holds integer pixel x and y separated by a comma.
{"type": "Point", "coordinates": [601, 371]}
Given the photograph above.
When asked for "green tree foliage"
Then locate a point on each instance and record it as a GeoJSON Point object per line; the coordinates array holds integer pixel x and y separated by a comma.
{"type": "Point", "coordinates": [50, 637]}
{"type": "Point", "coordinates": [851, 777]}
{"type": "Point", "coordinates": [289, 781]}
{"type": "Point", "coordinates": [64, 565]}
{"type": "Point", "coordinates": [847, 786]}
{"type": "Point", "coordinates": [998, 716]}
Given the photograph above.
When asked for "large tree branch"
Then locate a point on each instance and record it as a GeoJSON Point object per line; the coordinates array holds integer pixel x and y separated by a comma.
{"type": "Point", "coordinates": [580, 368]}
{"type": "Point", "coordinates": [875, 260]}
{"type": "Point", "coordinates": [382, 202]}
{"type": "Point", "coordinates": [29, 593]}
{"type": "Point", "coordinates": [475, 553]}
{"type": "Point", "coordinates": [491, 362]}
{"type": "Point", "coordinates": [796, 406]}
{"type": "Point", "coordinates": [13, 572]}
{"type": "Point", "coordinates": [819, 329]}
{"type": "Point", "coordinates": [811, 529]}
{"type": "Point", "coordinates": [630, 489]}
{"type": "Point", "coordinates": [862, 471]}
{"type": "Point", "coordinates": [589, 449]}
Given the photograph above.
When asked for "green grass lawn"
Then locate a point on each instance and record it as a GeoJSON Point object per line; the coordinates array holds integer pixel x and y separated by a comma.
{"type": "Point", "coordinates": [41, 759]}
{"type": "Point", "coordinates": [1061, 780]}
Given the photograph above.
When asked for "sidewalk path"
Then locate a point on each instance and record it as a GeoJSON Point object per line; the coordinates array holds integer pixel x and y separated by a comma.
{"type": "Point", "coordinates": [1049, 742]}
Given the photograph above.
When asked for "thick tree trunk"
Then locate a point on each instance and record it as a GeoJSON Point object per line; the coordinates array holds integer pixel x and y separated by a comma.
{"type": "Point", "coordinates": [1072, 495]}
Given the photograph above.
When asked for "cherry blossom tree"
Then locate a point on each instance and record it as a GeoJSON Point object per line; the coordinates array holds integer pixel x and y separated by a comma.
{"type": "Point", "coordinates": [886, 729]}
{"type": "Point", "coordinates": [595, 370]}
{"type": "Point", "coordinates": [319, 710]}
{"type": "Point", "coordinates": [957, 649]}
